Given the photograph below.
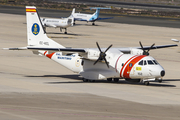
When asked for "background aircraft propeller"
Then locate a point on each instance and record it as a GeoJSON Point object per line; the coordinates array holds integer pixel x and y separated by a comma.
{"type": "Point", "coordinates": [144, 51]}
{"type": "Point", "coordinates": [102, 55]}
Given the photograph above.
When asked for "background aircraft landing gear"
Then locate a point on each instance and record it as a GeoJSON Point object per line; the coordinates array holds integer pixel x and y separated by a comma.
{"type": "Point", "coordinates": [93, 23]}
{"type": "Point", "coordinates": [65, 31]}
{"type": "Point", "coordinates": [146, 83]}
{"type": "Point", "coordinates": [116, 80]}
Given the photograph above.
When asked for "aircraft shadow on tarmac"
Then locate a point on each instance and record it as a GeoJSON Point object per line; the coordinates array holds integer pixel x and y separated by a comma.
{"type": "Point", "coordinates": [78, 79]}
{"type": "Point", "coordinates": [66, 34]}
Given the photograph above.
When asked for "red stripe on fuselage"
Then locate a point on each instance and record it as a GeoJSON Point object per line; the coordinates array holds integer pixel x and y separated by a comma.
{"type": "Point", "coordinates": [125, 65]}
{"type": "Point", "coordinates": [50, 55]}
{"type": "Point", "coordinates": [128, 68]}
{"type": "Point", "coordinates": [117, 62]}
{"type": "Point", "coordinates": [45, 52]}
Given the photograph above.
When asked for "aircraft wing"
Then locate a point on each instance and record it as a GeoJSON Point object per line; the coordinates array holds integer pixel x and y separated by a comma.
{"type": "Point", "coordinates": [157, 47]}
{"type": "Point", "coordinates": [104, 18]}
{"type": "Point", "coordinates": [128, 49]}
{"type": "Point", "coordinates": [84, 51]}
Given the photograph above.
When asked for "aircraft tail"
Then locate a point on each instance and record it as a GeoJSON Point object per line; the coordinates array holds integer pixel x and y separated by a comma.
{"type": "Point", "coordinates": [36, 35]}
{"type": "Point", "coordinates": [72, 17]}
{"type": "Point", "coordinates": [96, 14]}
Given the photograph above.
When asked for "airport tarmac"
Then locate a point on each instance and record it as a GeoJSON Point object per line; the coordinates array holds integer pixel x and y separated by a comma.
{"type": "Point", "coordinates": [35, 88]}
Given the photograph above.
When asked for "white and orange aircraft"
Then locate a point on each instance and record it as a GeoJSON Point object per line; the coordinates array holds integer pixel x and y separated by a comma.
{"type": "Point", "coordinates": [131, 64]}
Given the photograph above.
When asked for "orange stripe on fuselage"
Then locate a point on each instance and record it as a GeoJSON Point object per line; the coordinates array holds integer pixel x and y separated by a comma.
{"type": "Point", "coordinates": [125, 65]}
{"type": "Point", "coordinates": [50, 55]}
{"type": "Point", "coordinates": [128, 68]}
{"type": "Point", "coordinates": [117, 62]}
{"type": "Point", "coordinates": [30, 10]}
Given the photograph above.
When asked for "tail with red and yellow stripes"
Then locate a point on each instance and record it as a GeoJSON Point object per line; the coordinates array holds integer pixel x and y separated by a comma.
{"type": "Point", "coordinates": [36, 36]}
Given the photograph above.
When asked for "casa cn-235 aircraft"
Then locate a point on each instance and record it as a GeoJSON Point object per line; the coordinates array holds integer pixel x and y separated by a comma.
{"type": "Point", "coordinates": [88, 17]}
{"type": "Point", "coordinates": [131, 64]}
{"type": "Point", "coordinates": [62, 23]}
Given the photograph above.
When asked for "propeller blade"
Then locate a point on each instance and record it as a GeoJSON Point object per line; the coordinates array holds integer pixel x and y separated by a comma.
{"type": "Point", "coordinates": [98, 46]}
{"type": "Point", "coordinates": [108, 48]}
{"type": "Point", "coordinates": [141, 45]}
{"type": "Point", "coordinates": [96, 60]}
{"type": "Point", "coordinates": [151, 47]}
{"type": "Point", "coordinates": [106, 63]}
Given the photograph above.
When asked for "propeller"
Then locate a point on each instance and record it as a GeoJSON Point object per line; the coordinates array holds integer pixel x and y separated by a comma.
{"type": "Point", "coordinates": [144, 51]}
{"type": "Point", "coordinates": [102, 55]}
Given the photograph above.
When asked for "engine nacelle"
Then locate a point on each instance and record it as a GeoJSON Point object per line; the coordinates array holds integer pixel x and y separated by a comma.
{"type": "Point", "coordinates": [93, 54]}
{"type": "Point", "coordinates": [135, 51]}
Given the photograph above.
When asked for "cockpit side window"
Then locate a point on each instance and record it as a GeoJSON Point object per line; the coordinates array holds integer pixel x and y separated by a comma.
{"type": "Point", "coordinates": [141, 62]}
{"type": "Point", "coordinates": [150, 62]}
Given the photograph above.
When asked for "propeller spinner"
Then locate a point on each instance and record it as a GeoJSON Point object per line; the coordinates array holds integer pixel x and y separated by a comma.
{"type": "Point", "coordinates": [102, 55]}
{"type": "Point", "coordinates": [144, 51]}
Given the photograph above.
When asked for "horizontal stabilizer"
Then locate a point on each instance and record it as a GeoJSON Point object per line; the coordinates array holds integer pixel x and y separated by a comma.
{"type": "Point", "coordinates": [19, 48]}
{"type": "Point", "coordinates": [98, 8]}
{"type": "Point", "coordinates": [57, 49]}
{"type": "Point", "coordinates": [104, 18]}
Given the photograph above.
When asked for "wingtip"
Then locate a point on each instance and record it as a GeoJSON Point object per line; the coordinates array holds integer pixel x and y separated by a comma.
{"type": "Point", "coordinates": [175, 40]}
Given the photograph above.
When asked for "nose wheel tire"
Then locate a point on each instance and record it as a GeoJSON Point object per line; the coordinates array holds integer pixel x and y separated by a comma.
{"type": "Point", "coordinates": [146, 83]}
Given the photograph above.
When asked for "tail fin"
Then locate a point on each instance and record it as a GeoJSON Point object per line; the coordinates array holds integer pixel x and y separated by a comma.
{"type": "Point", "coordinates": [72, 17]}
{"type": "Point", "coordinates": [36, 35]}
{"type": "Point", "coordinates": [96, 14]}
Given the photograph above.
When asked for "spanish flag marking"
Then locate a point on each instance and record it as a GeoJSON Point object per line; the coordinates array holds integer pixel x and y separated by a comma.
{"type": "Point", "coordinates": [30, 10]}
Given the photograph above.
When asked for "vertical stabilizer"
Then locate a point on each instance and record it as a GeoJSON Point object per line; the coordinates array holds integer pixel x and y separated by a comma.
{"type": "Point", "coordinates": [35, 33]}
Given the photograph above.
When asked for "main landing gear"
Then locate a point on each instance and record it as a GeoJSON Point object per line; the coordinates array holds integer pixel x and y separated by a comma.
{"type": "Point", "coordinates": [87, 80]}
{"type": "Point", "coordinates": [65, 30]}
{"type": "Point", "coordinates": [111, 79]}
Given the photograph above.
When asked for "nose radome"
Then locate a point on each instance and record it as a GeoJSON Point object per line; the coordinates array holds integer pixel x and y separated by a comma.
{"type": "Point", "coordinates": [162, 73]}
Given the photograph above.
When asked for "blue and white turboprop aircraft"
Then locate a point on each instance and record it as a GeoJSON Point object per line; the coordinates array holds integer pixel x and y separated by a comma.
{"type": "Point", "coordinates": [89, 17]}
{"type": "Point", "coordinates": [131, 63]}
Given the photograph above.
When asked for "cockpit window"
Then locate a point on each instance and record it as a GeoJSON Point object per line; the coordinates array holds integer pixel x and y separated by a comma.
{"type": "Point", "coordinates": [145, 63]}
{"type": "Point", "coordinates": [155, 62]}
{"type": "Point", "coordinates": [150, 62]}
{"type": "Point", "coordinates": [141, 62]}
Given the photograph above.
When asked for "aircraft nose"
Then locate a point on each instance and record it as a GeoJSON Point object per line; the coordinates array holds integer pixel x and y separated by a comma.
{"type": "Point", "coordinates": [162, 73]}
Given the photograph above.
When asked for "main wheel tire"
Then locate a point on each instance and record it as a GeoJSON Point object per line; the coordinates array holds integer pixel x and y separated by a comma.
{"type": "Point", "coordinates": [160, 81]}
{"type": "Point", "coordinates": [116, 80]}
{"type": "Point", "coordinates": [85, 80]}
{"type": "Point", "coordinates": [109, 79]}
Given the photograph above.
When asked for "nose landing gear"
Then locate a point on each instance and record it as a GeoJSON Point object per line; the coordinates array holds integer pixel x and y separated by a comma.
{"type": "Point", "coordinates": [146, 83]}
